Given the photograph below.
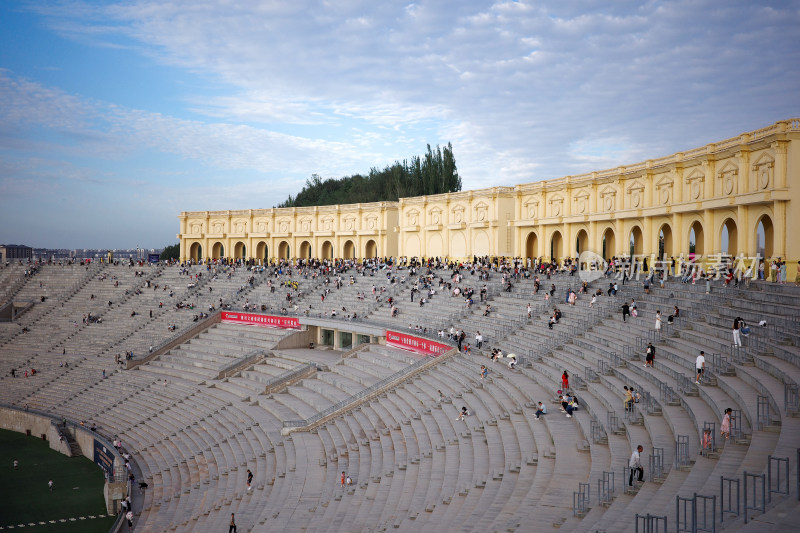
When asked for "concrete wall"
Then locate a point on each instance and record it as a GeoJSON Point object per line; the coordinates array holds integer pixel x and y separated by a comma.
{"type": "Point", "coordinates": [38, 425]}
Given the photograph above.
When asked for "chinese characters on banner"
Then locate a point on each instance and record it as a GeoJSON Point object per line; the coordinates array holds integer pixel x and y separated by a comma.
{"type": "Point", "coordinates": [265, 321]}
{"type": "Point", "coordinates": [403, 341]}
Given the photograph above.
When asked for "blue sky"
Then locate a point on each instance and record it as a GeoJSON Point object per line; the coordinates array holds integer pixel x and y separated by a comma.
{"type": "Point", "coordinates": [114, 117]}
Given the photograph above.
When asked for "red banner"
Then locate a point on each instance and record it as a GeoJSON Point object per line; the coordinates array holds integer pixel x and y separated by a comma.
{"type": "Point", "coordinates": [264, 321]}
{"type": "Point", "coordinates": [395, 339]}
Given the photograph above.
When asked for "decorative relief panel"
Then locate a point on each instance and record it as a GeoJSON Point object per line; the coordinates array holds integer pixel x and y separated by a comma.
{"type": "Point", "coordinates": [727, 178]}
{"type": "Point", "coordinates": [582, 202]}
{"type": "Point", "coordinates": [458, 214]}
{"type": "Point", "coordinates": [608, 199]}
{"type": "Point", "coordinates": [217, 227]}
{"type": "Point", "coordinates": [413, 217]}
{"type": "Point", "coordinates": [435, 215]}
{"type": "Point", "coordinates": [240, 226]}
{"type": "Point", "coordinates": [261, 225]}
{"type": "Point", "coordinates": [694, 184]}
{"type": "Point", "coordinates": [283, 225]}
{"type": "Point", "coordinates": [664, 189]}
{"type": "Point", "coordinates": [636, 194]}
{"type": "Point", "coordinates": [350, 223]}
{"type": "Point", "coordinates": [556, 206]}
{"type": "Point", "coordinates": [763, 169]}
{"type": "Point", "coordinates": [531, 208]}
{"type": "Point", "coordinates": [481, 212]}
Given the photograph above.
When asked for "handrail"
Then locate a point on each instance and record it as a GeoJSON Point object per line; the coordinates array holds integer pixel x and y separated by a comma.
{"type": "Point", "coordinates": [172, 341]}
{"type": "Point", "coordinates": [290, 375]}
{"type": "Point", "coordinates": [373, 389]}
{"type": "Point", "coordinates": [239, 364]}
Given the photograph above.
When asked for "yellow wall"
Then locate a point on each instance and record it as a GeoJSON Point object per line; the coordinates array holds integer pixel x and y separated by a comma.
{"type": "Point", "coordinates": [734, 182]}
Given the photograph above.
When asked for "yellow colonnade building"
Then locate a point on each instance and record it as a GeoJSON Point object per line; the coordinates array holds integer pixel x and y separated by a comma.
{"type": "Point", "coordinates": [739, 196]}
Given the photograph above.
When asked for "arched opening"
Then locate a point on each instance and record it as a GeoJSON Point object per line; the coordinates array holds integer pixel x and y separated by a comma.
{"type": "Point", "coordinates": [764, 237]}
{"type": "Point", "coordinates": [327, 250]}
{"type": "Point", "coordinates": [217, 251]}
{"type": "Point", "coordinates": [728, 237]}
{"type": "Point", "coordinates": [283, 250]}
{"type": "Point", "coordinates": [532, 246]}
{"type": "Point", "coordinates": [635, 241]}
{"type": "Point", "coordinates": [371, 249]}
{"type": "Point", "coordinates": [581, 242]}
{"type": "Point", "coordinates": [696, 238]}
{"type": "Point", "coordinates": [196, 251]}
{"type": "Point", "coordinates": [665, 242]}
{"type": "Point", "coordinates": [239, 250]}
{"type": "Point", "coordinates": [609, 244]}
{"type": "Point", "coordinates": [556, 246]}
{"type": "Point", "coordinates": [349, 250]}
{"type": "Point", "coordinates": [262, 251]}
{"type": "Point", "coordinates": [305, 250]}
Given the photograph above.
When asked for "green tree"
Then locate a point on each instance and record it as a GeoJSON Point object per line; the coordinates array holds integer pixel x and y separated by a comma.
{"type": "Point", "coordinates": [170, 252]}
{"type": "Point", "coordinates": [434, 173]}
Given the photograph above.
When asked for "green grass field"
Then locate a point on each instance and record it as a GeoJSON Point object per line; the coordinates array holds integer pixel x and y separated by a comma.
{"type": "Point", "coordinates": [24, 495]}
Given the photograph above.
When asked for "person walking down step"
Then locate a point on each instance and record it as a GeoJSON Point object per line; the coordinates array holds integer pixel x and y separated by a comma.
{"type": "Point", "coordinates": [635, 465]}
{"type": "Point", "coordinates": [737, 326]}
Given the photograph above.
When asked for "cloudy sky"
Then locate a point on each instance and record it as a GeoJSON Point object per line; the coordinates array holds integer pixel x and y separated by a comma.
{"type": "Point", "coordinates": [114, 117]}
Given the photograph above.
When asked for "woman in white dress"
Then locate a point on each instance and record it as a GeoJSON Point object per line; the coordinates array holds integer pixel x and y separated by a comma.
{"type": "Point", "coordinates": [658, 320]}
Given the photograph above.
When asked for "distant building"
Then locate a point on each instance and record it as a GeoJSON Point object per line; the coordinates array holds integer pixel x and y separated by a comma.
{"type": "Point", "coordinates": [13, 252]}
{"type": "Point", "coordinates": [63, 254]}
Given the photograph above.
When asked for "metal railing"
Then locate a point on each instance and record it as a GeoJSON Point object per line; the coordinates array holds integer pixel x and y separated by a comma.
{"type": "Point", "coordinates": [708, 441]}
{"type": "Point", "coordinates": [736, 424]}
{"type": "Point", "coordinates": [605, 488]}
{"type": "Point", "coordinates": [287, 377]}
{"type": "Point", "coordinates": [729, 497]}
{"type": "Point", "coordinates": [777, 476]}
{"type": "Point", "coordinates": [579, 503]}
{"type": "Point", "coordinates": [667, 393]}
{"type": "Point", "coordinates": [598, 433]}
{"type": "Point", "coordinates": [632, 414]}
{"type": "Point", "coordinates": [697, 514]}
{"type": "Point", "coordinates": [612, 422]}
{"type": "Point", "coordinates": [682, 454]}
{"type": "Point", "coordinates": [650, 523]}
{"type": "Point", "coordinates": [791, 399]}
{"type": "Point", "coordinates": [762, 412]}
{"type": "Point", "coordinates": [384, 383]}
{"type": "Point", "coordinates": [720, 364]}
{"type": "Point", "coordinates": [657, 473]}
{"type": "Point", "coordinates": [755, 494]}
{"type": "Point", "coordinates": [684, 384]}
{"type": "Point", "coordinates": [649, 403]}
{"type": "Point", "coordinates": [241, 363]}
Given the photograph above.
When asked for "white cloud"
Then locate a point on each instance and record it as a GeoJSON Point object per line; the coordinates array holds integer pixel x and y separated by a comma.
{"type": "Point", "coordinates": [524, 90]}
